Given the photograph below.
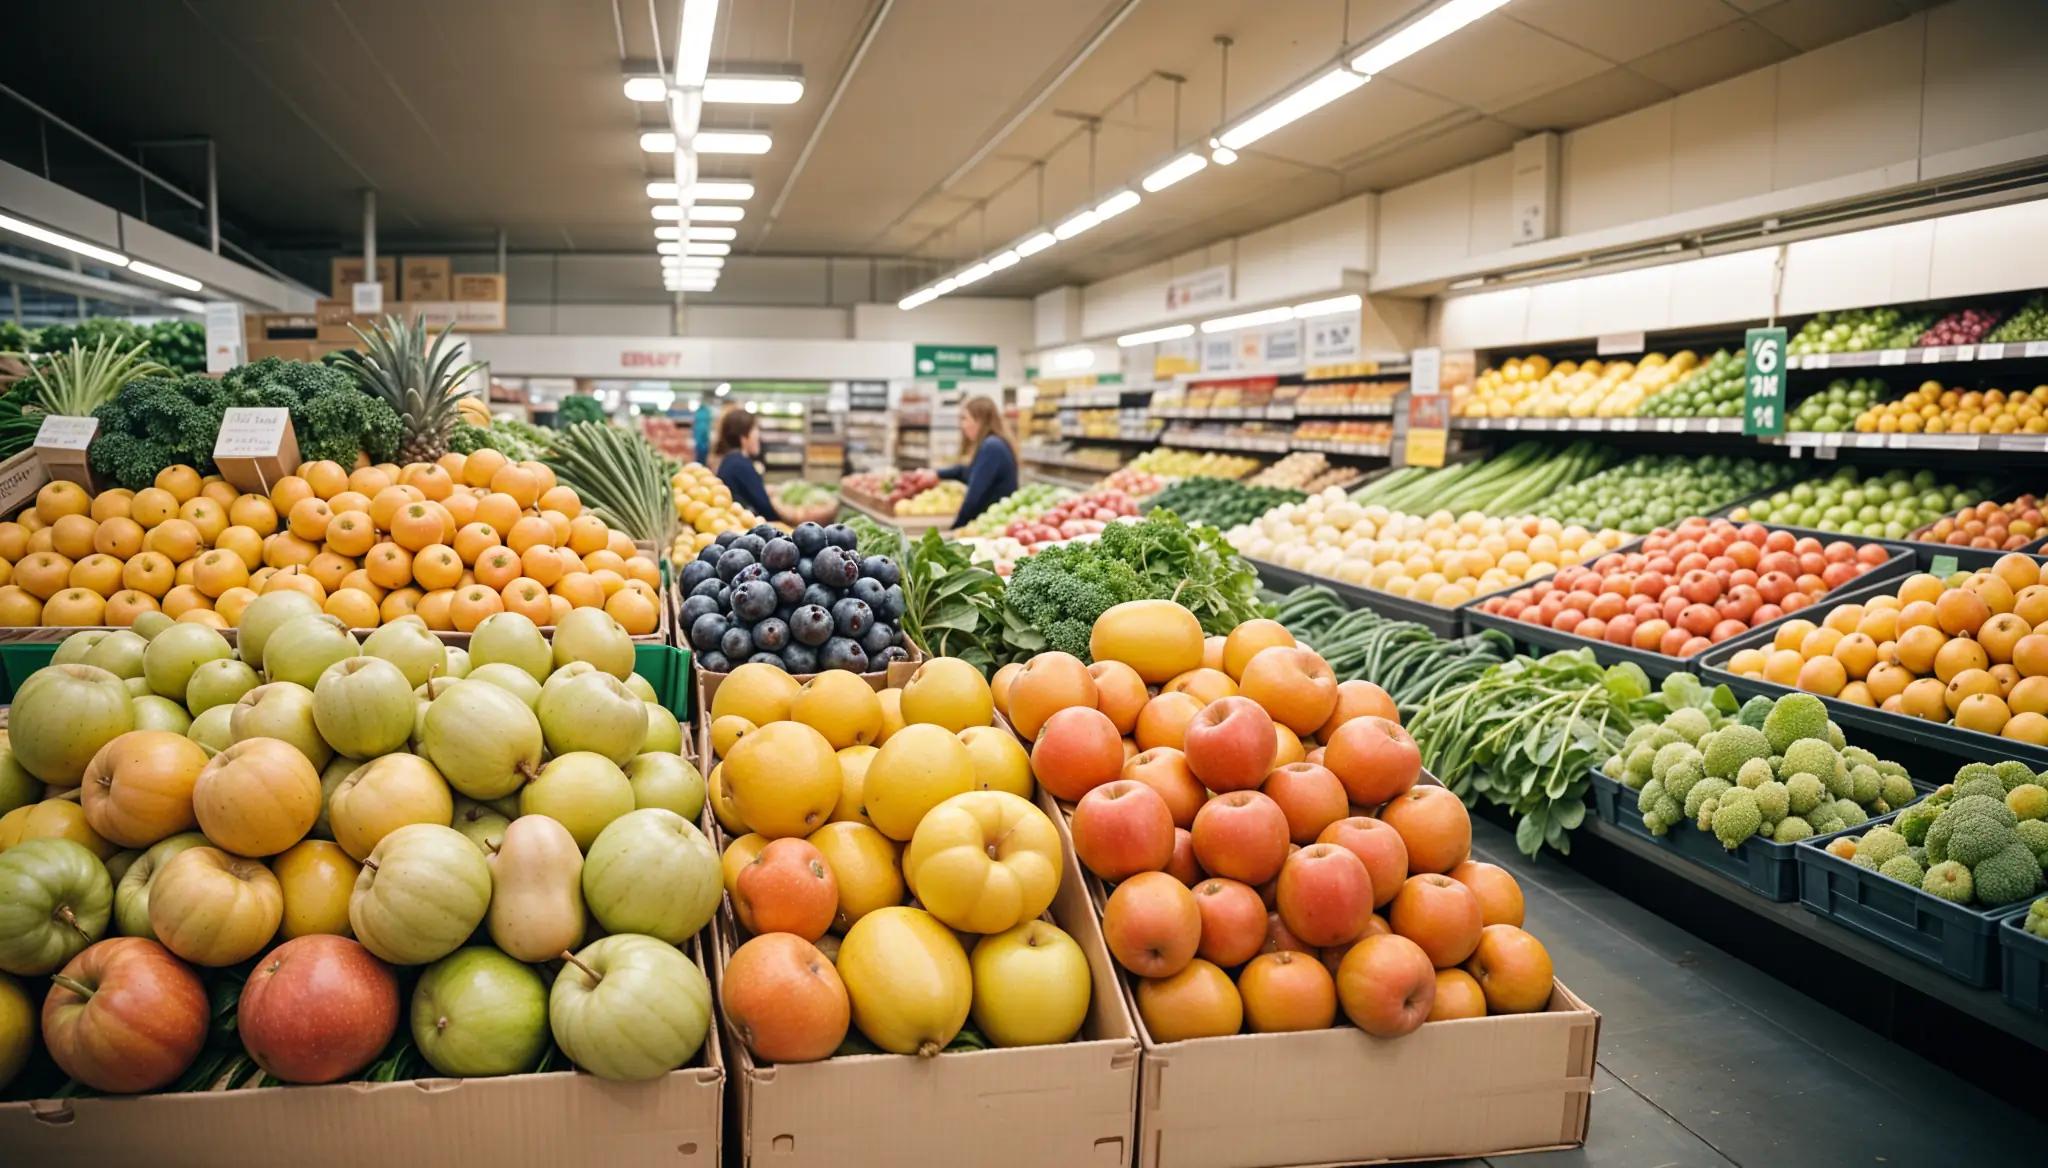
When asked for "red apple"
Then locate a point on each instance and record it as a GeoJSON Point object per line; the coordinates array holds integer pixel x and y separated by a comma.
{"type": "Point", "coordinates": [1325, 895]}
{"type": "Point", "coordinates": [1121, 829]}
{"type": "Point", "coordinates": [125, 1016]}
{"type": "Point", "coordinates": [1242, 835]}
{"type": "Point", "coordinates": [1233, 922]}
{"type": "Point", "coordinates": [1294, 685]}
{"type": "Point", "coordinates": [1382, 849]}
{"type": "Point", "coordinates": [1311, 797]}
{"type": "Point", "coordinates": [317, 1008]}
{"type": "Point", "coordinates": [1386, 985]}
{"type": "Point", "coordinates": [1165, 770]}
{"type": "Point", "coordinates": [1375, 759]}
{"type": "Point", "coordinates": [1278, 937]}
{"type": "Point", "coordinates": [1183, 866]}
{"type": "Point", "coordinates": [1152, 925]}
{"type": "Point", "coordinates": [1230, 744]}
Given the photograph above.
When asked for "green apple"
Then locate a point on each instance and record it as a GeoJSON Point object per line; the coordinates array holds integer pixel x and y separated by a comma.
{"type": "Point", "coordinates": [582, 791]}
{"type": "Point", "coordinates": [629, 1007]}
{"type": "Point", "coordinates": [478, 1012]}
{"type": "Point", "coordinates": [668, 781]}
{"type": "Point", "coordinates": [219, 683]}
{"type": "Point", "coordinates": [1031, 985]}
{"type": "Point", "coordinates": [651, 871]}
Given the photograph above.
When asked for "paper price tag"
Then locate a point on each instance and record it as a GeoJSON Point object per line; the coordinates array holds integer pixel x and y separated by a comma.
{"type": "Point", "coordinates": [1990, 352]}
{"type": "Point", "coordinates": [1892, 357]}
{"type": "Point", "coordinates": [250, 433]}
{"type": "Point", "coordinates": [59, 432]}
{"type": "Point", "coordinates": [2037, 349]}
{"type": "Point", "coordinates": [1933, 355]}
{"type": "Point", "coordinates": [1943, 566]}
{"type": "Point", "coordinates": [1966, 352]}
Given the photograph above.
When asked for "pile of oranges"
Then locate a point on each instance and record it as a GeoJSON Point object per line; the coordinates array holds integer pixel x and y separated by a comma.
{"type": "Point", "coordinates": [706, 508]}
{"type": "Point", "coordinates": [454, 541]}
{"type": "Point", "coordinates": [1971, 650]}
{"type": "Point", "coordinates": [1932, 409]}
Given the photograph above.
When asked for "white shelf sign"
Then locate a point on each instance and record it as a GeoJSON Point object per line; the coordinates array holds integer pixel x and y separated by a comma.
{"type": "Point", "coordinates": [250, 432]}
{"type": "Point", "coordinates": [59, 432]}
{"type": "Point", "coordinates": [224, 339]}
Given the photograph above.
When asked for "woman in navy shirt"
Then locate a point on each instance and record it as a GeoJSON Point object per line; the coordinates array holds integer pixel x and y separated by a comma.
{"type": "Point", "coordinates": [738, 445]}
{"type": "Point", "coordinates": [992, 473]}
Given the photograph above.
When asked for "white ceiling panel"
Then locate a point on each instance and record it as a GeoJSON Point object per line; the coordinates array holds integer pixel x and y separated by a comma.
{"type": "Point", "coordinates": [1590, 24]}
{"type": "Point", "coordinates": [1728, 51]}
{"type": "Point", "coordinates": [1601, 96]}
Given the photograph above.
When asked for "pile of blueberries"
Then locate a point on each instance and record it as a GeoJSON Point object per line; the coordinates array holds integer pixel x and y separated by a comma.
{"type": "Point", "coordinates": [805, 601]}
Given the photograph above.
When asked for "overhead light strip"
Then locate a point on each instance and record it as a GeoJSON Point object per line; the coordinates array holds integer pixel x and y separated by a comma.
{"type": "Point", "coordinates": [703, 189]}
{"type": "Point", "coordinates": [1172, 332]}
{"type": "Point", "coordinates": [1412, 38]}
{"type": "Point", "coordinates": [57, 239]}
{"type": "Point", "coordinates": [164, 276]}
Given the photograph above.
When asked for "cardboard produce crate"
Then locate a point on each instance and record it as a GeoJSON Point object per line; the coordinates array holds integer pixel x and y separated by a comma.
{"type": "Point", "coordinates": [1309, 1099]}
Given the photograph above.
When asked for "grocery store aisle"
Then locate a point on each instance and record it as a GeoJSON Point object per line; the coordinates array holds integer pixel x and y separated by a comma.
{"type": "Point", "coordinates": [1706, 1061]}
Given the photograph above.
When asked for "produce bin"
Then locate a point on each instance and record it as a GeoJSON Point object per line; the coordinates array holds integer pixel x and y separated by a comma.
{"type": "Point", "coordinates": [1958, 939]}
{"type": "Point", "coordinates": [1658, 665]}
{"type": "Point", "coordinates": [2025, 960]}
{"type": "Point", "coordinates": [563, 1117]}
{"type": "Point", "coordinates": [1496, 1085]}
{"type": "Point", "coordinates": [1444, 622]}
{"type": "Point", "coordinates": [1765, 867]}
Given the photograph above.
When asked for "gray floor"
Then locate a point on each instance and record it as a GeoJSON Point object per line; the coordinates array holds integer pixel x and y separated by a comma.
{"type": "Point", "coordinates": [1705, 1061]}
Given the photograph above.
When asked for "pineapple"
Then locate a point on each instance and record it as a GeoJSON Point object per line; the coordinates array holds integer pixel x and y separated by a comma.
{"type": "Point", "coordinates": [419, 380]}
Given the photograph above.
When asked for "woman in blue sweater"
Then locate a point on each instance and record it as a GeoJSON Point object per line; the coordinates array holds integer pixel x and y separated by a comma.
{"type": "Point", "coordinates": [738, 445]}
{"type": "Point", "coordinates": [992, 472]}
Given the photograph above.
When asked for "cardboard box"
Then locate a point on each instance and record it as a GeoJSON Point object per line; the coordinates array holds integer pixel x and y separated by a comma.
{"type": "Point", "coordinates": [425, 278]}
{"type": "Point", "coordinates": [20, 478]}
{"type": "Point", "coordinates": [348, 271]}
{"type": "Point", "coordinates": [477, 286]}
{"type": "Point", "coordinates": [344, 333]}
{"type": "Point", "coordinates": [286, 326]}
{"type": "Point", "coordinates": [256, 447]}
{"type": "Point", "coordinates": [289, 350]}
{"type": "Point", "coordinates": [1309, 1099]}
{"type": "Point", "coordinates": [61, 444]}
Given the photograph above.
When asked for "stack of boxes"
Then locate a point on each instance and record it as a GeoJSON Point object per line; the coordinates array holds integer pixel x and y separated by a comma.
{"type": "Point", "coordinates": [419, 286]}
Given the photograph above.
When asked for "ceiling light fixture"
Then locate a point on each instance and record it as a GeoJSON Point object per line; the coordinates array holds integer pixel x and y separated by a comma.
{"type": "Point", "coordinates": [1296, 105]}
{"type": "Point", "coordinates": [693, 261]}
{"type": "Point", "coordinates": [1070, 360]}
{"type": "Point", "coordinates": [693, 42]}
{"type": "Point", "coordinates": [707, 249]}
{"type": "Point", "coordinates": [1439, 23]}
{"type": "Point", "coordinates": [658, 142]}
{"type": "Point", "coordinates": [45, 235]}
{"type": "Point", "coordinates": [1224, 324]}
{"type": "Point", "coordinates": [165, 277]}
{"type": "Point", "coordinates": [1115, 205]}
{"type": "Point", "coordinates": [737, 192]}
{"type": "Point", "coordinates": [717, 214]}
{"type": "Point", "coordinates": [1172, 332]}
{"type": "Point", "coordinates": [668, 231]}
{"type": "Point", "coordinates": [1002, 259]}
{"type": "Point", "coordinates": [715, 234]}
{"type": "Point", "coordinates": [753, 89]}
{"type": "Point", "coordinates": [1036, 243]}
{"type": "Point", "coordinates": [731, 142]}
{"type": "Point", "coordinates": [1173, 172]}
{"type": "Point", "coordinates": [646, 89]}
{"type": "Point", "coordinates": [1328, 307]}
{"type": "Point", "coordinates": [672, 247]}
{"type": "Point", "coordinates": [1222, 155]}
{"type": "Point", "coordinates": [1076, 225]}
{"type": "Point", "coordinates": [668, 211]}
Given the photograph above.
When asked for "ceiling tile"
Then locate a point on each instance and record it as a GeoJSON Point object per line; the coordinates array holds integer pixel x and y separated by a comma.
{"type": "Point", "coordinates": [1495, 63]}
{"type": "Point", "coordinates": [1809, 24]}
{"type": "Point", "coordinates": [1431, 154]}
{"type": "Point", "coordinates": [1381, 112]}
{"type": "Point", "coordinates": [1728, 51]}
{"type": "Point", "coordinates": [1598, 97]}
{"type": "Point", "coordinates": [1613, 28]}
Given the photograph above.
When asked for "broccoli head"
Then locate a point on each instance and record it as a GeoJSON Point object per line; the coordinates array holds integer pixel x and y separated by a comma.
{"type": "Point", "coordinates": [1737, 817]}
{"type": "Point", "coordinates": [2012, 874]}
{"type": "Point", "coordinates": [1901, 868]}
{"type": "Point", "coordinates": [1803, 793]}
{"type": "Point", "coordinates": [1976, 838]}
{"type": "Point", "coordinates": [1990, 806]}
{"type": "Point", "coordinates": [1949, 881]}
{"type": "Point", "coordinates": [1792, 829]}
{"type": "Point", "coordinates": [1914, 821]}
{"type": "Point", "coordinates": [1670, 756]}
{"type": "Point", "coordinates": [1754, 711]}
{"type": "Point", "coordinates": [2028, 800]}
{"type": "Point", "coordinates": [2013, 773]}
{"type": "Point", "coordinates": [1689, 723]}
{"type": "Point", "coordinates": [1986, 784]}
{"type": "Point", "coordinates": [2034, 834]}
{"type": "Point", "coordinates": [1793, 717]}
{"type": "Point", "coordinates": [1635, 771]}
{"type": "Point", "coordinates": [1882, 843]}
{"type": "Point", "coordinates": [1701, 792]}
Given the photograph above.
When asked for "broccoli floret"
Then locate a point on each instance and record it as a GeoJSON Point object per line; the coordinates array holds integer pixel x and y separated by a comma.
{"type": "Point", "coordinates": [1936, 839]}
{"type": "Point", "coordinates": [1914, 821]}
{"type": "Point", "coordinates": [1062, 590]}
{"type": "Point", "coordinates": [1648, 796]}
{"type": "Point", "coordinates": [1824, 820]}
{"type": "Point", "coordinates": [1701, 792]}
{"type": "Point", "coordinates": [155, 422]}
{"type": "Point", "coordinates": [1737, 817]}
{"type": "Point", "coordinates": [1882, 843]}
{"type": "Point", "coordinates": [1754, 773]}
{"type": "Point", "coordinates": [1773, 801]}
{"type": "Point", "coordinates": [1817, 758]}
{"type": "Point", "coordinates": [2010, 875]}
{"type": "Point", "coordinates": [1670, 756]}
{"type": "Point", "coordinates": [1793, 717]}
{"type": "Point", "coordinates": [1733, 746]}
{"type": "Point", "coordinates": [1849, 813]}
{"type": "Point", "coordinates": [1754, 711]}
{"type": "Point", "coordinates": [1895, 790]}
{"type": "Point", "coordinates": [1864, 784]}
{"type": "Point", "coordinates": [468, 438]}
{"type": "Point", "coordinates": [1991, 806]}
{"type": "Point", "coordinates": [2034, 834]}
{"type": "Point", "coordinates": [1857, 756]}
{"type": "Point", "coordinates": [1636, 770]}
{"type": "Point", "coordinates": [2013, 773]}
{"type": "Point", "coordinates": [2037, 918]}
{"type": "Point", "coordinates": [1689, 723]}
{"type": "Point", "coordinates": [1835, 738]}
{"type": "Point", "coordinates": [1976, 838]}
{"type": "Point", "coordinates": [2028, 800]}
{"type": "Point", "coordinates": [1949, 881]}
{"type": "Point", "coordinates": [1663, 736]}
{"type": "Point", "coordinates": [1792, 829]}
{"type": "Point", "coordinates": [1987, 784]}
{"type": "Point", "coordinates": [1919, 857]}
{"type": "Point", "coordinates": [1901, 868]}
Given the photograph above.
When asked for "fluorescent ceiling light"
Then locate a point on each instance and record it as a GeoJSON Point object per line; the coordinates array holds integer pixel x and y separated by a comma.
{"type": "Point", "coordinates": [672, 247]}
{"type": "Point", "coordinates": [741, 89]}
{"type": "Point", "coordinates": [1298, 104]}
{"type": "Point", "coordinates": [1441, 22]}
{"type": "Point", "coordinates": [1037, 243]}
{"type": "Point", "coordinates": [1001, 260]}
{"type": "Point", "coordinates": [191, 306]}
{"type": "Point", "coordinates": [1224, 324]}
{"type": "Point", "coordinates": [717, 234]}
{"type": "Point", "coordinates": [707, 249]}
{"type": "Point", "coordinates": [1223, 156]}
{"type": "Point", "coordinates": [646, 89]}
{"type": "Point", "coordinates": [664, 191]}
{"type": "Point", "coordinates": [693, 42]}
{"type": "Point", "coordinates": [691, 285]}
{"type": "Point", "coordinates": [1077, 224]}
{"type": "Point", "coordinates": [1326, 307]}
{"type": "Point", "coordinates": [165, 277]}
{"type": "Point", "coordinates": [717, 214]}
{"type": "Point", "coordinates": [946, 285]}
{"type": "Point", "coordinates": [1070, 360]}
{"type": "Point", "coordinates": [916, 300]}
{"type": "Point", "coordinates": [1115, 205]}
{"type": "Point", "coordinates": [668, 211]}
{"type": "Point", "coordinates": [731, 142]}
{"type": "Point", "coordinates": [669, 231]}
{"type": "Point", "coordinates": [1172, 332]}
{"type": "Point", "coordinates": [658, 142]}
{"type": "Point", "coordinates": [705, 188]}
{"type": "Point", "coordinates": [971, 275]}
{"type": "Point", "coordinates": [1174, 171]}
{"type": "Point", "coordinates": [44, 234]}
{"type": "Point", "coordinates": [711, 263]}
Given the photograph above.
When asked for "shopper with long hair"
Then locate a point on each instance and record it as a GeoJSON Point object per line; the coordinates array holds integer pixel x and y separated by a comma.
{"type": "Point", "coordinates": [737, 446]}
{"type": "Point", "coordinates": [991, 470]}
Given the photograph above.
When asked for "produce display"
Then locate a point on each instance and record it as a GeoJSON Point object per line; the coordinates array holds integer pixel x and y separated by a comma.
{"type": "Point", "coordinates": [1404, 658]}
{"type": "Point", "coordinates": [1691, 587]}
{"type": "Point", "coordinates": [1057, 594]}
{"type": "Point", "coordinates": [1978, 841]}
{"type": "Point", "coordinates": [72, 382]}
{"type": "Point", "coordinates": [954, 607]}
{"type": "Point", "coordinates": [1964, 326]}
{"type": "Point", "coordinates": [845, 805]}
{"type": "Point", "coordinates": [1778, 771]}
{"type": "Point", "coordinates": [1712, 390]}
{"type": "Point", "coordinates": [318, 860]}
{"type": "Point", "coordinates": [1534, 388]}
{"type": "Point", "coordinates": [1133, 482]}
{"type": "Point", "coordinates": [1511, 482]}
{"type": "Point", "coordinates": [453, 540]}
{"type": "Point", "coordinates": [1655, 490]}
{"type": "Point", "coordinates": [800, 601]}
{"type": "Point", "coordinates": [2029, 323]}
{"type": "Point", "coordinates": [941, 498]}
{"type": "Point", "coordinates": [704, 504]}
{"type": "Point", "coordinates": [1841, 406]}
{"type": "Point", "coordinates": [1255, 886]}
{"type": "Point", "coordinates": [1858, 330]}
{"type": "Point", "coordinates": [1027, 502]}
{"type": "Point", "coordinates": [1932, 409]}
{"type": "Point", "coordinates": [1222, 503]}
{"type": "Point", "coordinates": [1887, 505]}
{"type": "Point", "coordinates": [618, 476]}
{"type": "Point", "coordinates": [1306, 471]}
{"type": "Point", "coordinates": [1998, 526]}
{"type": "Point", "coordinates": [1169, 463]}
{"type": "Point", "coordinates": [1072, 517]}
{"type": "Point", "coordinates": [807, 502]}
{"type": "Point", "coordinates": [1969, 650]}
{"type": "Point", "coordinates": [892, 487]}
{"type": "Point", "coordinates": [1437, 559]}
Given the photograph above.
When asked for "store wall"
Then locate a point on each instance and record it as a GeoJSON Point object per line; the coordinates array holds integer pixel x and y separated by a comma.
{"type": "Point", "coordinates": [1947, 91]}
{"type": "Point", "coordinates": [1006, 324]}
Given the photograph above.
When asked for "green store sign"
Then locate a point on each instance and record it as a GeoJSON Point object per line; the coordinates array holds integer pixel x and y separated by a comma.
{"type": "Point", "coordinates": [956, 362]}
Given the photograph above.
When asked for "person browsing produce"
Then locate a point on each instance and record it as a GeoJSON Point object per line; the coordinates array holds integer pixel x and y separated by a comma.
{"type": "Point", "coordinates": [738, 445]}
{"type": "Point", "coordinates": [991, 472]}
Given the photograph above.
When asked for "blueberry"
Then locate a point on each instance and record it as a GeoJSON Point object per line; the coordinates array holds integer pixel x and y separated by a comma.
{"type": "Point", "coordinates": [799, 658]}
{"type": "Point", "coordinates": [789, 587]}
{"type": "Point", "coordinates": [750, 572]}
{"type": "Point", "coordinates": [819, 595]}
{"type": "Point", "coordinates": [808, 537]}
{"type": "Point", "coordinates": [725, 538]}
{"type": "Point", "coordinates": [851, 618]}
{"type": "Point", "coordinates": [881, 569]}
{"type": "Point", "coordinates": [707, 631]}
{"type": "Point", "coordinates": [771, 636]}
{"type": "Point", "coordinates": [892, 654]}
{"type": "Point", "coordinates": [878, 637]}
{"type": "Point", "coordinates": [711, 553]}
{"type": "Point", "coordinates": [840, 535]}
{"type": "Point", "coordinates": [714, 662]}
{"type": "Point", "coordinates": [841, 653]}
{"type": "Point", "coordinates": [696, 572]}
{"type": "Point", "coordinates": [803, 568]}
{"type": "Point", "coordinates": [732, 561]}
{"type": "Point", "coordinates": [810, 625]}
{"type": "Point", "coordinates": [697, 606]}
{"type": "Point", "coordinates": [711, 588]}
{"type": "Point", "coordinates": [869, 590]}
{"type": "Point", "coordinates": [751, 544]}
{"type": "Point", "coordinates": [766, 659]}
{"type": "Point", "coordinates": [779, 554]}
{"type": "Point", "coordinates": [835, 568]}
{"type": "Point", "coordinates": [765, 532]}
{"type": "Point", "coordinates": [737, 643]}
{"type": "Point", "coordinates": [784, 611]}
{"type": "Point", "coordinates": [892, 603]}
{"type": "Point", "coordinates": [752, 601]}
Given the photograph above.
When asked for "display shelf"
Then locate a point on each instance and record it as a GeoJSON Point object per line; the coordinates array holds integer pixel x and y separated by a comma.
{"type": "Point", "coordinates": [1919, 355]}
{"type": "Point", "coordinates": [1101, 398]}
{"type": "Point", "coordinates": [1384, 409]}
{"type": "Point", "coordinates": [1801, 441]}
{"type": "Point", "coordinates": [1444, 622]}
{"type": "Point", "coordinates": [1244, 443]}
{"type": "Point", "coordinates": [1350, 449]}
{"type": "Point", "coordinates": [1631, 425]}
{"type": "Point", "coordinates": [1076, 434]}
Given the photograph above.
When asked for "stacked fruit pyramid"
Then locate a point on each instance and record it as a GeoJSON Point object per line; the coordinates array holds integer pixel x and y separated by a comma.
{"type": "Point", "coordinates": [363, 817]}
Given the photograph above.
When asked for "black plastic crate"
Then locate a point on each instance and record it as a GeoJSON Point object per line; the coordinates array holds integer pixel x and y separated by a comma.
{"type": "Point", "coordinates": [2025, 958]}
{"type": "Point", "coordinates": [1959, 940]}
{"type": "Point", "coordinates": [1657, 665]}
{"type": "Point", "coordinates": [1444, 622]}
{"type": "Point", "coordinates": [1765, 867]}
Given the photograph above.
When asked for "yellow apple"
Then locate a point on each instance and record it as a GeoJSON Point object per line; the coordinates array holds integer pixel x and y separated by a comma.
{"type": "Point", "coordinates": [211, 908]}
{"type": "Point", "coordinates": [866, 864]}
{"type": "Point", "coordinates": [317, 877]}
{"type": "Point", "coordinates": [984, 861]}
{"type": "Point", "coordinates": [1000, 763]}
{"type": "Point", "coordinates": [1031, 985]}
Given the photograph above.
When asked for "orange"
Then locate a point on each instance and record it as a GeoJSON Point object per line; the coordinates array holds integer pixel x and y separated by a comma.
{"type": "Point", "coordinates": [452, 462]}
{"type": "Point", "coordinates": [2029, 696]}
{"type": "Point", "coordinates": [59, 498]}
{"type": "Point", "coordinates": [2030, 655]}
{"type": "Point", "coordinates": [634, 610]}
{"type": "Point", "coordinates": [96, 573]}
{"type": "Point", "coordinates": [560, 499]}
{"type": "Point", "coordinates": [2019, 572]}
{"type": "Point", "coordinates": [296, 580]}
{"type": "Point", "coordinates": [620, 544]}
{"type": "Point", "coordinates": [119, 537]}
{"type": "Point", "coordinates": [287, 491]}
{"type": "Point", "coordinates": [1921, 586]}
{"type": "Point", "coordinates": [187, 571]}
{"type": "Point", "coordinates": [127, 604]}
{"type": "Point", "coordinates": [415, 526]}
{"type": "Point", "coordinates": [329, 568]}
{"type": "Point", "coordinates": [13, 541]}
{"type": "Point", "coordinates": [1917, 648]}
{"type": "Point", "coordinates": [111, 504]}
{"type": "Point", "coordinates": [399, 602]}
{"type": "Point", "coordinates": [19, 608]}
{"type": "Point", "coordinates": [461, 507]}
{"type": "Point", "coordinates": [560, 523]}
{"type": "Point", "coordinates": [1819, 643]}
{"type": "Point", "coordinates": [253, 512]}
{"type": "Point", "coordinates": [230, 604]}
{"type": "Point", "coordinates": [540, 564]}
{"type": "Point", "coordinates": [540, 472]}
{"type": "Point", "coordinates": [360, 581]}
{"type": "Point", "coordinates": [473, 604]}
{"type": "Point", "coordinates": [208, 516]}
{"type": "Point", "coordinates": [308, 519]}
{"type": "Point", "coordinates": [180, 480]}
{"type": "Point", "coordinates": [219, 490]}
{"type": "Point", "coordinates": [561, 606]}
{"type": "Point", "coordinates": [473, 540]}
{"type": "Point", "coordinates": [75, 606]}
{"type": "Point", "coordinates": [497, 568]}
{"type": "Point", "coordinates": [1886, 680]}
{"type": "Point", "coordinates": [1843, 619]}
{"type": "Point", "coordinates": [1791, 633]}
{"type": "Point", "coordinates": [325, 477]}
{"type": "Point", "coordinates": [517, 481]}
{"type": "Point", "coordinates": [151, 506]}
{"type": "Point", "coordinates": [579, 589]}
{"type": "Point", "coordinates": [43, 573]}
{"type": "Point", "coordinates": [436, 566]}
{"type": "Point", "coordinates": [430, 479]}
{"type": "Point", "coordinates": [644, 570]}
{"type": "Point", "coordinates": [608, 581]}
{"type": "Point", "coordinates": [72, 535]}
{"type": "Point", "coordinates": [448, 525]}
{"type": "Point", "coordinates": [150, 573]}
{"type": "Point", "coordinates": [529, 531]}
{"type": "Point", "coordinates": [2030, 604]}
{"type": "Point", "coordinates": [1879, 624]}
{"type": "Point", "coordinates": [529, 600]}
{"type": "Point", "coordinates": [1985, 713]}
{"type": "Point", "coordinates": [40, 540]}
{"type": "Point", "coordinates": [2027, 726]}
{"type": "Point", "coordinates": [481, 466]}
{"type": "Point", "coordinates": [605, 560]}
{"type": "Point", "coordinates": [389, 565]}
{"type": "Point", "coordinates": [2000, 634]}
{"type": "Point", "coordinates": [1823, 675]}
{"type": "Point", "coordinates": [1783, 665]}
{"type": "Point", "coordinates": [183, 599]}
{"type": "Point", "coordinates": [349, 501]}
{"type": "Point", "coordinates": [1961, 612]}
{"type": "Point", "coordinates": [2006, 676]}
{"type": "Point", "coordinates": [1996, 594]}
{"type": "Point", "coordinates": [1857, 653]}
{"type": "Point", "coordinates": [385, 504]}
{"type": "Point", "coordinates": [370, 479]}
{"type": "Point", "coordinates": [355, 609]}
{"type": "Point", "coordinates": [351, 533]}
{"type": "Point", "coordinates": [1958, 656]}
{"type": "Point", "coordinates": [219, 570]}
{"type": "Point", "coordinates": [433, 608]}
{"type": "Point", "coordinates": [285, 549]}
{"type": "Point", "coordinates": [203, 616]}
{"type": "Point", "coordinates": [499, 511]}
{"type": "Point", "coordinates": [587, 533]}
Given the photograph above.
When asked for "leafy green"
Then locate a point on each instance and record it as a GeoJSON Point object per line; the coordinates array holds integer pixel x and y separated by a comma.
{"type": "Point", "coordinates": [951, 608]}
{"type": "Point", "coordinates": [1191, 564]}
{"type": "Point", "coordinates": [579, 407]}
{"type": "Point", "coordinates": [876, 539]}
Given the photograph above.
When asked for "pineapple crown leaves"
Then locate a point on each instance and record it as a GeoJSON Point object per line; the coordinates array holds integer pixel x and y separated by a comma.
{"type": "Point", "coordinates": [400, 366]}
{"type": "Point", "coordinates": [81, 380]}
